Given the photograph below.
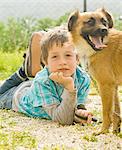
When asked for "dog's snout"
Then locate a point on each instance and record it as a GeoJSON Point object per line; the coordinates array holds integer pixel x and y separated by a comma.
{"type": "Point", "coordinates": [103, 31]}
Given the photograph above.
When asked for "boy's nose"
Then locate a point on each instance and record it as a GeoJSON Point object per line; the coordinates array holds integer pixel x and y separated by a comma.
{"type": "Point", "coordinates": [62, 60]}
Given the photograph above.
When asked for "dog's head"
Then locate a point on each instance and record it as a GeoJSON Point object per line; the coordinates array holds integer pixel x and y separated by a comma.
{"type": "Point", "coordinates": [89, 29]}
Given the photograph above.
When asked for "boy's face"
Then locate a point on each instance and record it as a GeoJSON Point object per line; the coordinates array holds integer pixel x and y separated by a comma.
{"type": "Point", "coordinates": [62, 59]}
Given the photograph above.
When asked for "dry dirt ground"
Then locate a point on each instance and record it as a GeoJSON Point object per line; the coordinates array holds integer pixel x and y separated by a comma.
{"type": "Point", "coordinates": [52, 136]}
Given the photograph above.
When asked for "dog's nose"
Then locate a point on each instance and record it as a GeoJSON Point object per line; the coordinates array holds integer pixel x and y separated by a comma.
{"type": "Point", "coordinates": [100, 32]}
{"type": "Point", "coordinates": [103, 31]}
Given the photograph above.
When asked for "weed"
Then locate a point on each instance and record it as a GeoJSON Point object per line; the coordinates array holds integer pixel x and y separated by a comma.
{"type": "Point", "coordinates": [90, 138]}
{"type": "Point", "coordinates": [17, 139]}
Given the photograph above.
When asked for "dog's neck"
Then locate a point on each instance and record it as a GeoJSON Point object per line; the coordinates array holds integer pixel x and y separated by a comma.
{"type": "Point", "coordinates": [85, 54]}
{"type": "Point", "coordinates": [85, 62]}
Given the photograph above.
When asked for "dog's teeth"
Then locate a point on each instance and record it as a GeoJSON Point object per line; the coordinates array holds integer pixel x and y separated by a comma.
{"type": "Point", "coordinates": [90, 38]}
{"type": "Point", "coordinates": [105, 40]}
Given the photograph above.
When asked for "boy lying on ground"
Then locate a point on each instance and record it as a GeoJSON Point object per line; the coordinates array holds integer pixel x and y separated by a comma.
{"type": "Point", "coordinates": [58, 91]}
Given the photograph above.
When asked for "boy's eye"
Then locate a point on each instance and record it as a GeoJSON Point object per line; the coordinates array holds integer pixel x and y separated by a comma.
{"type": "Point", "coordinates": [54, 56]}
{"type": "Point", "coordinates": [68, 55]}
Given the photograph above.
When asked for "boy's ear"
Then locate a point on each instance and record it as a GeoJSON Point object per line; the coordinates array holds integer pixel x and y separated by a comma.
{"type": "Point", "coordinates": [45, 63]}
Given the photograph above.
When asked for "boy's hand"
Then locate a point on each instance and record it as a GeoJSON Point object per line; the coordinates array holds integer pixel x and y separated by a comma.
{"type": "Point", "coordinates": [81, 114]}
{"type": "Point", "coordinates": [67, 82]}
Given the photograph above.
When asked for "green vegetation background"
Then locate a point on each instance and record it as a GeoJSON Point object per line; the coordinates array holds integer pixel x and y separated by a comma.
{"type": "Point", "coordinates": [15, 35]}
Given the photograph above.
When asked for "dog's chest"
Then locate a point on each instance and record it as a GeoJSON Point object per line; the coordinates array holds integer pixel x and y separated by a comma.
{"type": "Point", "coordinates": [85, 62]}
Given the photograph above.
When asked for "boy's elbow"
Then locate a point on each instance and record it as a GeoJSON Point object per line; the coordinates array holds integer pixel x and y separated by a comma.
{"type": "Point", "coordinates": [64, 122]}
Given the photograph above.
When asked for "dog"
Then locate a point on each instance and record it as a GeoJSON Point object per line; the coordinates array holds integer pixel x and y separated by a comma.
{"type": "Point", "coordinates": [101, 46]}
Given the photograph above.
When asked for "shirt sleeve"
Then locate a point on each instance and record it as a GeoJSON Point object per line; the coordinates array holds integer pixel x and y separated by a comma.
{"type": "Point", "coordinates": [83, 89]}
{"type": "Point", "coordinates": [44, 94]}
{"type": "Point", "coordinates": [64, 112]}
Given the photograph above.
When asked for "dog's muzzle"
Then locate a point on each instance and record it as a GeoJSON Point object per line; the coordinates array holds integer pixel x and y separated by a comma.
{"type": "Point", "coordinates": [95, 38]}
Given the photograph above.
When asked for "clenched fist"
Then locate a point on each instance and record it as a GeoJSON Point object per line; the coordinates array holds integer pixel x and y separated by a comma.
{"type": "Point", "coordinates": [67, 82]}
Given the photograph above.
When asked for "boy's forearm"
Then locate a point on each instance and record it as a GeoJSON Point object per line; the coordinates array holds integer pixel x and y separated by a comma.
{"type": "Point", "coordinates": [64, 113]}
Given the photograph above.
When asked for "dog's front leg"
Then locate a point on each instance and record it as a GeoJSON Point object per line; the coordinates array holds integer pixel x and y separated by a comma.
{"type": "Point", "coordinates": [116, 114]}
{"type": "Point", "coordinates": [107, 93]}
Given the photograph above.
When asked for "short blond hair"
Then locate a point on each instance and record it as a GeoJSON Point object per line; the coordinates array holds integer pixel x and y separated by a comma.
{"type": "Point", "coordinates": [56, 36]}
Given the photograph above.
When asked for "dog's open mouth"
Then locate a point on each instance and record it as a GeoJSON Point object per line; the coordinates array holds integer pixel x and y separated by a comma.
{"type": "Point", "coordinates": [96, 42]}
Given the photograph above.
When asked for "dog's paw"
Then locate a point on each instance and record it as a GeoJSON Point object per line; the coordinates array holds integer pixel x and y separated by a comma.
{"type": "Point", "coordinates": [118, 130]}
{"type": "Point", "coordinates": [105, 131]}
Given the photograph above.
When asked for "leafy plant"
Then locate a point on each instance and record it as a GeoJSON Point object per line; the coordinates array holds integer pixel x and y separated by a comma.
{"type": "Point", "coordinates": [16, 33]}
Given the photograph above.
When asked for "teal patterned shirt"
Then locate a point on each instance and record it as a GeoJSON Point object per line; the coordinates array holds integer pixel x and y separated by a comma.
{"type": "Point", "coordinates": [45, 92]}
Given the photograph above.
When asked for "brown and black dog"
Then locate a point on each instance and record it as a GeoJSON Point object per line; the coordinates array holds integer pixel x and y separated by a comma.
{"type": "Point", "coordinates": [101, 46]}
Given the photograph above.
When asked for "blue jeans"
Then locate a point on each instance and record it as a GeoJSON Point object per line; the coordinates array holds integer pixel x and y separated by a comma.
{"type": "Point", "coordinates": [7, 90]}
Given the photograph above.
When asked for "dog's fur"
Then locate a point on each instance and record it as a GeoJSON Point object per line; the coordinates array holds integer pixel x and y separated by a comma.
{"type": "Point", "coordinates": [103, 51]}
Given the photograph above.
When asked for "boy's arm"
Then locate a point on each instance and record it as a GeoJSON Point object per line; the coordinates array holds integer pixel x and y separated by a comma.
{"type": "Point", "coordinates": [63, 113]}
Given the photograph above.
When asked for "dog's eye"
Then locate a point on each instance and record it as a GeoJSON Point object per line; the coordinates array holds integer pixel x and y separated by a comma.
{"type": "Point", "coordinates": [104, 22]}
{"type": "Point", "coordinates": [91, 22]}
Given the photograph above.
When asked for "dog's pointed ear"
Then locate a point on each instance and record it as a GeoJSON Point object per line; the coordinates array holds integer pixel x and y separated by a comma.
{"type": "Point", "coordinates": [72, 20]}
{"type": "Point", "coordinates": [108, 16]}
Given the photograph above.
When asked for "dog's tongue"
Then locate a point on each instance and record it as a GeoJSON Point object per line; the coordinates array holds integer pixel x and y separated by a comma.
{"type": "Point", "coordinates": [98, 42]}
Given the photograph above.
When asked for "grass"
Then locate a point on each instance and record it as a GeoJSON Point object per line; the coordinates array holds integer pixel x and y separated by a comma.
{"type": "Point", "coordinates": [13, 140]}
{"type": "Point", "coordinates": [9, 63]}
{"type": "Point", "coordinates": [91, 138]}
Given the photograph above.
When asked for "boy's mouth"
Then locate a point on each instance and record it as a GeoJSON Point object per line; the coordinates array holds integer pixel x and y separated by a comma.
{"type": "Point", "coordinates": [63, 70]}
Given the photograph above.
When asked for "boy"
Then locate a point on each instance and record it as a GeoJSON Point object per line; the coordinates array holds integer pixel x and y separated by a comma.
{"type": "Point", "coordinates": [58, 91]}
